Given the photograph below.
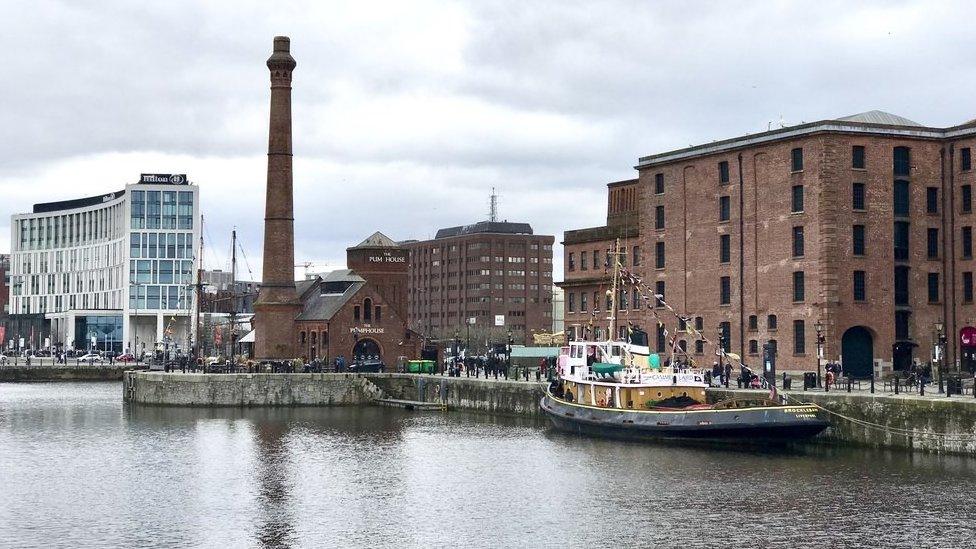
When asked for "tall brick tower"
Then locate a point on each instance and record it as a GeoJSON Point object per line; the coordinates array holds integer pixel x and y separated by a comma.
{"type": "Point", "coordinates": [277, 304]}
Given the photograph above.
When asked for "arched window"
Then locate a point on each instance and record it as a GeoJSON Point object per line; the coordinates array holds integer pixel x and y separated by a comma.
{"type": "Point", "coordinates": [301, 338]}
{"type": "Point", "coordinates": [368, 310]}
{"type": "Point", "coordinates": [314, 335]}
{"type": "Point", "coordinates": [771, 322]}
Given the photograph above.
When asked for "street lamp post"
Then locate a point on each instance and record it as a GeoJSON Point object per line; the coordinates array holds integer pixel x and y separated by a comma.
{"type": "Point", "coordinates": [939, 354]}
{"type": "Point", "coordinates": [819, 326]}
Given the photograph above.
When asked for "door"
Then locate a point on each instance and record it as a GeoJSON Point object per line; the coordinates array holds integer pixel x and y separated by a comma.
{"type": "Point", "coordinates": [857, 351]}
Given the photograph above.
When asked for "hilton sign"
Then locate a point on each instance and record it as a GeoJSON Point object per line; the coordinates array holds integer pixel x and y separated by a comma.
{"type": "Point", "coordinates": [163, 178]}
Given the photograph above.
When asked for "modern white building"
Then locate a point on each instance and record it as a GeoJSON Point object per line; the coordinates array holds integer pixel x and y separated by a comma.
{"type": "Point", "coordinates": [114, 271]}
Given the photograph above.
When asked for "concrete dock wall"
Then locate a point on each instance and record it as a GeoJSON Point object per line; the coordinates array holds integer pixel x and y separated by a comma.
{"type": "Point", "coordinates": [923, 417]}
{"type": "Point", "coordinates": [62, 373]}
{"type": "Point", "coordinates": [506, 397]}
{"type": "Point", "coordinates": [247, 389]}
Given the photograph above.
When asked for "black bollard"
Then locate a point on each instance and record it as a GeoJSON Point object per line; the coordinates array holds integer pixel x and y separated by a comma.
{"type": "Point", "coordinates": [921, 388]}
{"type": "Point", "coordinates": [941, 387]}
{"type": "Point", "coordinates": [850, 384]}
{"type": "Point", "coordinates": [872, 383]}
{"type": "Point", "coordinates": [896, 385]}
{"type": "Point", "coordinates": [538, 375]}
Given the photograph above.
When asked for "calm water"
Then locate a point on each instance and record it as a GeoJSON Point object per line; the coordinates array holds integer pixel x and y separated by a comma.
{"type": "Point", "coordinates": [79, 469]}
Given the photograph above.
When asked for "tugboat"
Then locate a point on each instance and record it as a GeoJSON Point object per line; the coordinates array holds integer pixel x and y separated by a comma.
{"type": "Point", "coordinates": [617, 388]}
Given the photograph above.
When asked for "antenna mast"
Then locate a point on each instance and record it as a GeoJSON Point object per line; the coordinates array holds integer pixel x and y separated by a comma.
{"type": "Point", "coordinates": [493, 206]}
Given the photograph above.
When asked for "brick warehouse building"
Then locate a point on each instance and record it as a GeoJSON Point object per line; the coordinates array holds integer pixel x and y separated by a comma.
{"type": "Point", "coordinates": [586, 278]}
{"type": "Point", "coordinates": [863, 224]}
{"type": "Point", "coordinates": [359, 312]}
{"type": "Point", "coordinates": [495, 272]}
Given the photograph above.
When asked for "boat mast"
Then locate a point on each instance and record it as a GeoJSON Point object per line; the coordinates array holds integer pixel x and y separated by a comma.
{"type": "Point", "coordinates": [233, 295]}
{"type": "Point", "coordinates": [614, 290]}
{"type": "Point", "coordinates": [199, 293]}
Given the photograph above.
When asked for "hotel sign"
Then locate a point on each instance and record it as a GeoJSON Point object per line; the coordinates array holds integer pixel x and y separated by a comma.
{"type": "Point", "coordinates": [163, 178]}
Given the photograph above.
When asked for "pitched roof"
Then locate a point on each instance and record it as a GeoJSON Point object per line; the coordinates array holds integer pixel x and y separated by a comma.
{"type": "Point", "coordinates": [377, 240]}
{"type": "Point", "coordinates": [324, 306]}
{"type": "Point", "coordinates": [880, 117]}
{"type": "Point", "coordinates": [342, 275]}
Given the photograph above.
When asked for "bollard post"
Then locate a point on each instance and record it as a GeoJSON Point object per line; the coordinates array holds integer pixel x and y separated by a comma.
{"type": "Point", "coordinates": [949, 387]}
{"type": "Point", "coordinates": [538, 375]}
{"type": "Point", "coordinates": [849, 385]}
{"type": "Point", "coordinates": [941, 389]}
{"type": "Point", "coordinates": [921, 388]}
{"type": "Point", "coordinates": [872, 383]}
{"type": "Point", "coordinates": [896, 385]}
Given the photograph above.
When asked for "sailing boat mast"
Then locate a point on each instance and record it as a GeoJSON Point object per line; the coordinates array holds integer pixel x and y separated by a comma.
{"type": "Point", "coordinates": [233, 295]}
{"type": "Point", "coordinates": [198, 295]}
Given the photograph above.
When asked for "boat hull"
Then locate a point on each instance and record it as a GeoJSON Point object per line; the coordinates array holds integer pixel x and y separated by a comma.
{"type": "Point", "coordinates": [765, 423]}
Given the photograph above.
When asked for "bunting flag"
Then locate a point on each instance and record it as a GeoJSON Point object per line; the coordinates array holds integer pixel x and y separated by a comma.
{"type": "Point", "coordinates": [635, 280]}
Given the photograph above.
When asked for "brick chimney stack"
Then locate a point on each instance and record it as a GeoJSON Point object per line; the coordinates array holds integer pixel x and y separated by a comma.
{"type": "Point", "coordinates": [278, 304]}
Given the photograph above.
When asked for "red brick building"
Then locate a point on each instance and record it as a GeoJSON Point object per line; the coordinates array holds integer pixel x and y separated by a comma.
{"type": "Point", "coordinates": [861, 225]}
{"type": "Point", "coordinates": [481, 281]}
{"type": "Point", "coordinates": [359, 313]}
{"type": "Point", "coordinates": [586, 276]}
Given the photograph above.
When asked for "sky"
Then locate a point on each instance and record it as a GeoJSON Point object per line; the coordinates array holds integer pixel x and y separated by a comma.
{"type": "Point", "coordinates": [407, 113]}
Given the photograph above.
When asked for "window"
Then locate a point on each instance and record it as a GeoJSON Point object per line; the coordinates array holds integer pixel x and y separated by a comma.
{"type": "Point", "coordinates": [368, 310]}
{"type": "Point", "coordinates": [902, 202]}
{"type": "Point", "coordinates": [726, 291]}
{"type": "Point", "coordinates": [699, 347]}
{"type": "Point", "coordinates": [572, 261]}
{"type": "Point", "coordinates": [796, 157]}
{"type": "Point", "coordinates": [571, 302]}
{"type": "Point", "coordinates": [901, 285]}
{"type": "Point", "coordinates": [724, 208]}
{"type": "Point", "coordinates": [797, 204]}
{"type": "Point", "coordinates": [798, 241]}
{"type": "Point", "coordinates": [933, 243]}
{"type": "Point", "coordinates": [583, 262]}
{"type": "Point", "coordinates": [860, 290]}
{"type": "Point", "coordinates": [967, 287]}
{"type": "Point", "coordinates": [699, 323]}
{"type": "Point", "coordinates": [857, 196]}
{"type": "Point", "coordinates": [857, 157]}
{"type": "Point", "coordinates": [635, 299]}
{"type": "Point", "coordinates": [771, 322]}
{"type": "Point", "coordinates": [596, 300]}
{"type": "Point", "coordinates": [723, 172]}
{"type": "Point", "coordinates": [967, 198]}
{"type": "Point", "coordinates": [725, 328]}
{"type": "Point", "coordinates": [932, 200]}
{"type": "Point", "coordinates": [596, 259]}
{"type": "Point", "coordinates": [967, 242]}
{"type": "Point", "coordinates": [857, 239]}
{"type": "Point", "coordinates": [901, 324]}
{"type": "Point", "coordinates": [798, 286]}
{"type": "Point", "coordinates": [753, 347]}
{"type": "Point", "coordinates": [659, 217]}
{"type": "Point", "coordinates": [965, 159]}
{"type": "Point", "coordinates": [582, 307]}
{"type": "Point", "coordinates": [902, 161]}
{"type": "Point", "coordinates": [661, 343]}
{"type": "Point", "coordinates": [933, 287]}
{"type": "Point", "coordinates": [659, 291]}
{"type": "Point", "coordinates": [659, 255]}
{"type": "Point", "coordinates": [659, 183]}
{"type": "Point", "coordinates": [753, 322]}
{"type": "Point", "coordinates": [901, 240]}
{"type": "Point", "coordinates": [636, 255]}
{"type": "Point", "coordinates": [725, 248]}
{"type": "Point", "coordinates": [799, 337]}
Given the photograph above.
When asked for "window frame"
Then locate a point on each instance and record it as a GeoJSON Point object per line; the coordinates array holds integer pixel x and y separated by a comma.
{"type": "Point", "coordinates": [859, 288]}
{"type": "Point", "coordinates": [796, 160]}
{"type": "Point", "coordinates": [855, 149]}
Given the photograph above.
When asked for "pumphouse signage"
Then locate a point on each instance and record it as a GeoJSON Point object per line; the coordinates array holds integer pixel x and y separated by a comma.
{"type": "Point", "coordinates": [387, 257]}
{"type": "Point", "coordinates": [163, 178]}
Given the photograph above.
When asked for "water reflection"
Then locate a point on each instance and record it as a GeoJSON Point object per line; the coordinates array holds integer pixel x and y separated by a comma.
{"type": "Point", "coordinates": [131, 476]}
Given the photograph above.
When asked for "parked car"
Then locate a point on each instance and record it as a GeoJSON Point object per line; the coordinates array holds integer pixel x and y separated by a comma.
{"type": "Point", "coordinates": [126, 357]}
{"type": "Point", "coordinates": [91, 357]}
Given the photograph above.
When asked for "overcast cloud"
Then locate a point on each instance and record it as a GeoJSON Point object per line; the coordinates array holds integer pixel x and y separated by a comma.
{"type": "Point", "coordinates": [408, 113]}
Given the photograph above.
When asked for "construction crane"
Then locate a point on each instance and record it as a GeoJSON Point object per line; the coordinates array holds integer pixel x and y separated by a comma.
{"type": "Point", "coordinates": [307, 265]}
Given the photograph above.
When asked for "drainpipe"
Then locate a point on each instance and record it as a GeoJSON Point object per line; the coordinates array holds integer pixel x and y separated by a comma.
{"type": "Point", "coordinates": [952, 251]}
{"type": "Point", "coordinates": [742, 234]}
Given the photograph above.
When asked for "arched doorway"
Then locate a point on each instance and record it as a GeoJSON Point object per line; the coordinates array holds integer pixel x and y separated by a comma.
{"type": "Point", "coordinates": [366, 349]}
{"type": "Point", "coordinates": [857, 352]}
